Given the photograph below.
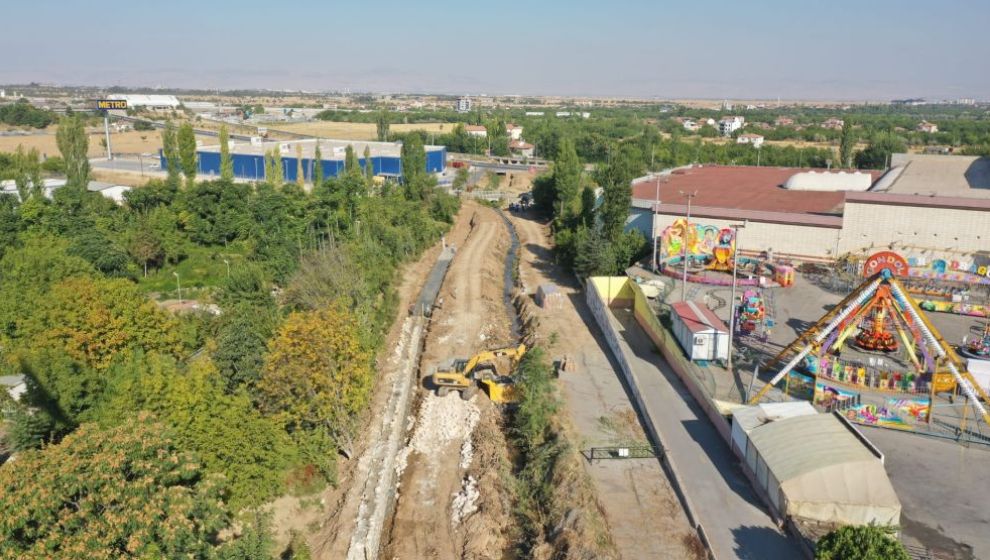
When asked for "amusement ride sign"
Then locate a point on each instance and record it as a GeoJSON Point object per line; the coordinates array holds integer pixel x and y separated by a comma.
{"type": "Point", "coordinates": [885, 260]}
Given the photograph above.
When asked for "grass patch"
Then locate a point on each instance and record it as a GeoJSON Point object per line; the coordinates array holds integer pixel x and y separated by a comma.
{"type": "Point", "coordinates": [556, 507]}
{"type": "Point", "coordinates": [203, 268]}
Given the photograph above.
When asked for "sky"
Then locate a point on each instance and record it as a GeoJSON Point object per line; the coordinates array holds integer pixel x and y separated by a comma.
{"type": "Point", "coordinates": [714, 49]}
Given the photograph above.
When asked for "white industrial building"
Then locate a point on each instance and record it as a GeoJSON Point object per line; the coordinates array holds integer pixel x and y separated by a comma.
{"type": "Point", "coordinates": [924, 206]}
{"type": "Point", "coordinates": [49, 186]}
{"type": "Point", "coordinates": [463, 105]}
{"type": "Point", "coordinates": [152, 102]}
{"type": "Point", "coordinates": [813, 468]}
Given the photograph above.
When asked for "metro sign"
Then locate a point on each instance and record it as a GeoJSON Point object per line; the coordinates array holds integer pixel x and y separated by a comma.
{"type": "Point", "coordinates": [111, 104]}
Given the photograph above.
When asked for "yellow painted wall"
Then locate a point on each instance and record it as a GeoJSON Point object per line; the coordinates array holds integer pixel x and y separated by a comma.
{"type": "Point", "coordinates": [615, 290]}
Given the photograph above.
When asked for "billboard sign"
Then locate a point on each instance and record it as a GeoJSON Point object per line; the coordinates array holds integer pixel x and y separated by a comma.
{"type": "Point", "coordinates": [111, 104]}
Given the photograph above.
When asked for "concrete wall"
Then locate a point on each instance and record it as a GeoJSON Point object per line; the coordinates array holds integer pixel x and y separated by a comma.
{"type": "Point", "coordinates": [947, 231]}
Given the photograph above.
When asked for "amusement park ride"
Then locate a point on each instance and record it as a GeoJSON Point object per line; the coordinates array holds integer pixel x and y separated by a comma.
{"type": "Point", "coordinates": [875, 311]}
{"type": "Point", "coordinates": [979, 347]}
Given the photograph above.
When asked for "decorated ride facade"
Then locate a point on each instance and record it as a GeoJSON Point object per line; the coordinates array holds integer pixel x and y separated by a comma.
{"type": "Point", "coordinates": [704, 248]}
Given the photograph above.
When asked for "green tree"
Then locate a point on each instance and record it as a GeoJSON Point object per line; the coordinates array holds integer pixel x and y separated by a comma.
{"type": "Point", "coordinates": [877, 154]}
{"type": "Point", "coordinates": [97, 320]}
{"type": "Point", "coordinates": [278, 171]}
{"type": "Point", "coordinates": [461, 177]}
{"type": "Point", "coordinates": [269, 166]}
{"type": "Point", "coordinates": [187, 152]}
{"type": "Point", "coordinates": [862, 542]}
{"type": "Point", "coordinates": [588, 206]}
{"type": "Point", "coordinates": [615, 178]}
{"type": "Point", "coordinates": [566, 179]}
{"type": "Point", "coordinates": [300, 172]}
{"type": "Point", "coordinates": [414, 167]}
{"type": "Point", "coordinates": [74, 147]}
{"type": "Point", "coordinates": [317, 374]}
{"type": "Point", "coordinates": [226, 162]}
{"type": "Point", "coordinates": [350, 160]}
{"type": "Point", "coordinates": [846, 144]}
{"type": "Point", "coordinates": [222, 428]}
{"type": "Point", "coordinates": [170, 149]}
{"type": "Point", "coordinates": [381, 125]}
{"type": "Point", "coordinates": [369, 165]}
{"type": "Point", "coordinates": [317, 165]}
{"type": "Point", "coordinates": [124, 492]}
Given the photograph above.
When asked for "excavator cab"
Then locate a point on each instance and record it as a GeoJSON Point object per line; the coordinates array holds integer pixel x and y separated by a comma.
{"type": "Point", "coordinates": [464, 375]}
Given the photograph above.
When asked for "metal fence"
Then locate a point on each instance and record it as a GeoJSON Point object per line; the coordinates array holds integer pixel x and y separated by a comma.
{"type": "Point", "coordinates": [621, 452]}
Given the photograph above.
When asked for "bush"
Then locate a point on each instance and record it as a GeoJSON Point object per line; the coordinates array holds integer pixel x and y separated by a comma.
{"type": "Point", "coordinates": [862, 542]}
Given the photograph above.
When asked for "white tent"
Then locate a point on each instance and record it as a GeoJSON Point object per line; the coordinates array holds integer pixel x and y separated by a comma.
{"type": "Point", "coordinates": [818, 468]}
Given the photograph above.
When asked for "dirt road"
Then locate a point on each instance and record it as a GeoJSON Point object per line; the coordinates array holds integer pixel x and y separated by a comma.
{"type": "Point", "coordinates": [644, 517]}
{"type": "Point", "coordinates": [451, 503]}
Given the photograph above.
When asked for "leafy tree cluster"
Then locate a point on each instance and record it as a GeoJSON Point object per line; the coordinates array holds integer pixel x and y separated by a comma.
{"type": "Point", "coordinates": [863, 542]}
{"type": "Point", "coordinates": [22, 113]}
{"type": "Point", "coordinates": [589, 222]}
{"type": "Point", "coordinates": [124, 492]}
{"type": "Point", "coordinates": [238, 398]}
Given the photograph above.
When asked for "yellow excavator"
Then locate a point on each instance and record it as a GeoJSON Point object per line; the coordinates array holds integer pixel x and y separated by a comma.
{"type": "Point", "coordinates": [465, 375]}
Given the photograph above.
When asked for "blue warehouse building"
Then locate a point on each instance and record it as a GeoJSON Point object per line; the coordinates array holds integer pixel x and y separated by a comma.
{"type": "Point", "coordinates": [249, 158]}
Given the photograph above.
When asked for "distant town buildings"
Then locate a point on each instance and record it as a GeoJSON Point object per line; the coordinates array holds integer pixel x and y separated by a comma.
{"type": "Point", "coordinates": [476, 130]}
{"type": "Point", "coordinates": [925, 126]}
{"type": "Point", "coordinates": [833, 123]}
{"type": "Point", "coordinates": [463, 105]}
{"type": "Point", "coordinates": [783, 121]}
{"type": "Point", "coordinates": [522, 148]}
{"type": "Point", "coordinates": [755, 139]}
{"type": "Point", "coordinates": [728, 125]}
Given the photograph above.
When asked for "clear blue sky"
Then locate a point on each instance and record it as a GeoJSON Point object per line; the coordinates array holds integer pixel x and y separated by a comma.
{"type": "Point", "coordinates": [848, 49]}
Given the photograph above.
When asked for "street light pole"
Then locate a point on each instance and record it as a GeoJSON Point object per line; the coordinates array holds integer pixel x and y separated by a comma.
{"type": "Point", "coordinates": [684, 243]}
{"type": "Point", "coordinates": [732, 305]}
{"type": "Point", "coordinates": [656, 210]}
{"type": "Point", "coordinates": [226, 262]}
{"type": "Point", "coordinates": [178, 286]}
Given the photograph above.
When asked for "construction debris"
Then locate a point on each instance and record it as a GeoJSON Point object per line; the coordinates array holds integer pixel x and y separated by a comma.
{"type": "Point", "coordinates": [465, 502]}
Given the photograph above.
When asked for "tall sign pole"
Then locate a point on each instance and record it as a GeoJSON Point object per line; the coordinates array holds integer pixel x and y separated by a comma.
{"type": "Point", "coordinates": [733, 304]}
{"type": "Point", "coordinates": [106, 128]}
{"type": "Point", "coordinates": [686, 241]}
{"type": "Point", "coordinates": [107, 105]}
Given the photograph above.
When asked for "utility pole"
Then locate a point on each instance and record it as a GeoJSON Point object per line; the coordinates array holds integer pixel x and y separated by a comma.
{"type": "Point", "coordinates": [684, 242]}
{"type": "Point", "coordinates": [656, 210]}
{"type": "Point", "coordinates": [178, 285]}
{"type": "Point", "coordinates": [735, 268]}
{"type": "Point", "coordinates": [106, 128]}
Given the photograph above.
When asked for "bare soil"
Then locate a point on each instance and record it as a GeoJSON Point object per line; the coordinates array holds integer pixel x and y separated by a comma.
{"type": "Point", "coordinates": [644, 517]}
{"type": "Point", "coordinates": [129, 142]}
{"type": "Point", "coordinates": [356, 131]}
{"type": "Point", "coordinates": [471, 318]}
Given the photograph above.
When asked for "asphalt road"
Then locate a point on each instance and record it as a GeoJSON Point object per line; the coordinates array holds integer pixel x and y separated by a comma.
{"type": "Point", "coordinates": [725, 504]}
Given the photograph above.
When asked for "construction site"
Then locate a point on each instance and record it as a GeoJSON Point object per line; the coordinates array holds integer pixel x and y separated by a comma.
{"type": "Point", "coordinates": [435, 477]}
{"type": "Point", "coordinates": [669, 454]}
